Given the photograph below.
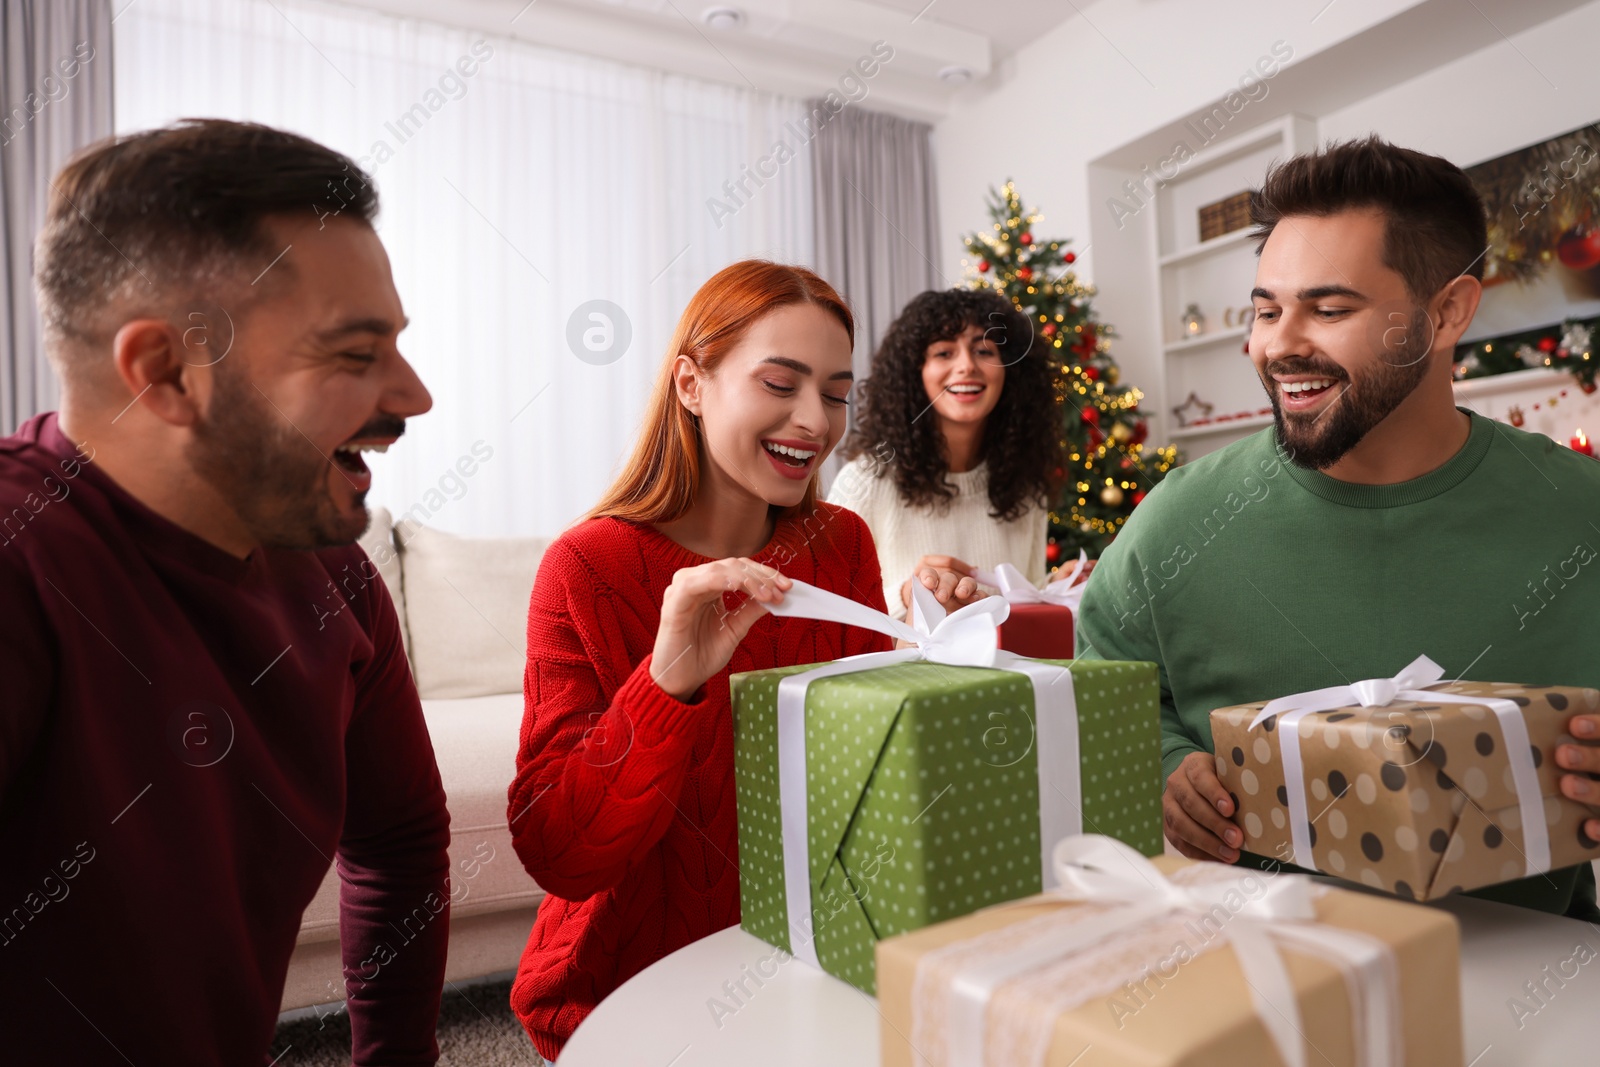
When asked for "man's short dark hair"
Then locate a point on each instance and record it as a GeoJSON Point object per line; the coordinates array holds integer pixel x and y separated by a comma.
{"type": "Point", "coordinates": [1435, 225]}
{"type": "Point", "coordinates": [137, 222]}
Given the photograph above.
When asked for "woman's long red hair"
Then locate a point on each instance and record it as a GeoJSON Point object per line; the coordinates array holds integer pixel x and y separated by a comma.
{"type": "Point", "coordinates": [662, 477]}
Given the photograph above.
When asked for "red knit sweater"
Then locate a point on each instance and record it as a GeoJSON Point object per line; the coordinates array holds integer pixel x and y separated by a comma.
{"type": "Point", "coordinates": [623, 803]}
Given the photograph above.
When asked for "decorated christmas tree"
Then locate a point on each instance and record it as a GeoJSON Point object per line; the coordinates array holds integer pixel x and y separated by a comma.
{"type": "Point", "coordinates": [1109, 470]}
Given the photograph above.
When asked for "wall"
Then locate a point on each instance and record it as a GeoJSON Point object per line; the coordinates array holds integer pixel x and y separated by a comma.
{"type": "Point", "coordinates": [1120, 69]}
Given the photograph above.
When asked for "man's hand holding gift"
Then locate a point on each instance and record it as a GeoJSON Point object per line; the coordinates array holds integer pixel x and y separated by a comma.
{"type": "Point", "coordinates": [1583, 758]}
{"type": "Point", "coordinates": [1197, 811]}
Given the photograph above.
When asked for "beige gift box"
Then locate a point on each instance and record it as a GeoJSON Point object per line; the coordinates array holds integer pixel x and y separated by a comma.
{"type": "Point", "coordinates": [1414, 798]}
{"type": "Point", "coordinates": [1191, 1007]}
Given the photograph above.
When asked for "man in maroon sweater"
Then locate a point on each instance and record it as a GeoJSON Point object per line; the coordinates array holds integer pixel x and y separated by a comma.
{"type": "Point", "coordinates": [205, 699]}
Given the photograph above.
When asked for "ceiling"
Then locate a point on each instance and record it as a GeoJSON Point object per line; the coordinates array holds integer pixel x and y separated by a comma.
{"type": "Point", "coordinates": [795, 47]}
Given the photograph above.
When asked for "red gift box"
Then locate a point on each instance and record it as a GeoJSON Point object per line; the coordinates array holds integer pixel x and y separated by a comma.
{"type": "Point", "coordinates": [1039, 631]}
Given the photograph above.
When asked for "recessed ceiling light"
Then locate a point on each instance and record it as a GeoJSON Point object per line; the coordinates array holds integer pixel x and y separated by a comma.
{"type": "Point", "coordinates": [722, 18]}
{"type": "Point", "coordinates": [955, 75]}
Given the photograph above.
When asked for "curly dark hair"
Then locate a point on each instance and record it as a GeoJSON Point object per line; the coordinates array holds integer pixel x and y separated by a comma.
{"type": "Point", "coordinates": [1022, 437]}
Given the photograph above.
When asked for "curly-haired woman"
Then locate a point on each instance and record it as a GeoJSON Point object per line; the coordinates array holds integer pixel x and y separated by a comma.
{"type": "Point", "coordinates": [956, 454]}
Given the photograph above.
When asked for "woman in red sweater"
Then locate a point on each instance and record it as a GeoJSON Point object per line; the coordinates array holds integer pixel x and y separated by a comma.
{"type": "Point", "coordinates": [623, 803]}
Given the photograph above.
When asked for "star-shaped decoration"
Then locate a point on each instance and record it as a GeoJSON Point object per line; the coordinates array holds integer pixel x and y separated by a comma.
{"type": "Point", "coordinates": [1186, 411]}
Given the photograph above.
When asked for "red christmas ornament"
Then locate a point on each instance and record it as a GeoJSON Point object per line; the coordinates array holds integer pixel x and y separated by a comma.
{"type": "Point", "coordinates": [1588, 387]}
{"type": "Point", "coordinates": [1052, 552]}
{"type": "Point", "coordinates": [1049, 329]}
{"type": "Point", "coordinates": [1126, 464]}
{"type": "Point", "coordinates": [1138, 498]}
{"type": "Point", "coordinates": [1140, 432]}
{"type": "Point", "coordinates": [1091, 415]}
{"type": "Point", "coordinates": [983, 266]}
{"type": "Point", "coordinates": [1095, 437]}
{"type": "Point", "coordinates": [1025, 273]}
{"type": "Point", "coordinates": [1092, 373]}
{"type": "Point", "coordinates": [1579, 249]}
{"type": "Point", "coordinates": [1070, 257]}
{"type": "Point", "coordinates": [1025, 239]}
{"type": "Point", "coordinates": [1547, 345]}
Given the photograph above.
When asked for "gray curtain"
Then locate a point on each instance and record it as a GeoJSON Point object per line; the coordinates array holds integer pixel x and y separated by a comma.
{"type": "Point", "coordinates": [55, 97]}
{"type": "Point", "coordinates": [877, 220]}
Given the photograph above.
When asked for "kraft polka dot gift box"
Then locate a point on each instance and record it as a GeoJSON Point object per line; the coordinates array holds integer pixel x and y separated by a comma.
{"type": "Point", "coordinates": [1421, 796]}
{"type": "Point", "coordinates": [923, 794]}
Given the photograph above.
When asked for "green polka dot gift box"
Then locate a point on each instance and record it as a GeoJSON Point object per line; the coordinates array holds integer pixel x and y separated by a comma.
{"type": "Point", "coordinates": [1441, 789]}
{"type": "Point", "coordinates": [921, 795]}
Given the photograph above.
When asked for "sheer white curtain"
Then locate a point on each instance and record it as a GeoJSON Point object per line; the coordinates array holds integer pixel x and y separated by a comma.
{"type": "Point", "coordinates": [511, 197]}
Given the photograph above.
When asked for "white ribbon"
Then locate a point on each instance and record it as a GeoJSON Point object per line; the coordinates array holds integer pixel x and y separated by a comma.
{"type": "Point", "coordinates": [1410, 684]}
{"type": "Point", "coordinates": [1100, 870]}
{"type": "Point", "coordinates": [1015, 587]}
{"type": "Point", "coordinates": [967, 637]}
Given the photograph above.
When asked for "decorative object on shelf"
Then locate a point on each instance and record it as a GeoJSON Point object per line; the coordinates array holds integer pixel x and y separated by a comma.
{"type": "Point", "coordinates": [1515, 416]}
{"type": "Point", "coordinates": [1580, 443]}
{"type": "Point", "coordinates": [1244, 317]}
{"type": "Point", "coordinates": [1576, 337]}
{"type": "Point", "coordinates": [1568, 346]}
{"type": "Point", "coordinates": [1579, 248]}
{"type": "Point", "coordinates": [1232, 417]}
{"type": "Point", "coordinates": [1544, 206]}
{"type": "Point", "coordinates": [1185, 411]}
{"type": "Point", "coordinates": [1102, 427]}
{"type": "Point", "coordinates": [1225, 216]}
{"type": "Point", "coordinates": [1194, 323]}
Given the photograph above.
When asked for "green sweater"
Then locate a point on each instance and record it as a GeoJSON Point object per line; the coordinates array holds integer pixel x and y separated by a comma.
{"type": "Point", "coordinates": [1247, 578]}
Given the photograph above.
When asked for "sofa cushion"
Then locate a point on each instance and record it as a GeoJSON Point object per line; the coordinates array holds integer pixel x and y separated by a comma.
{"type": "Point", "coordinates": [475, 743]}
{"type": "Point", "coordinates": [378, 544]}
{"type": "Point", "coordinates": [466, 609]}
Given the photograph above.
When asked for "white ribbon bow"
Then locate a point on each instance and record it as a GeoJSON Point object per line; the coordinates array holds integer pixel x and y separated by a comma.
{"type": "Point", "coordinates": [1015, 587]}
{"type": "Point", "coordinates": [1410, 684]}
{"type": "Point", "coordinates": [1100, 870]}
{"type": "Point", "coordinates": [967, 637]}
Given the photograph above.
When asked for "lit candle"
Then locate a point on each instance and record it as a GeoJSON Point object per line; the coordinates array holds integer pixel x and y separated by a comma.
{"type": "Point", "coordinates": [1580, 443]}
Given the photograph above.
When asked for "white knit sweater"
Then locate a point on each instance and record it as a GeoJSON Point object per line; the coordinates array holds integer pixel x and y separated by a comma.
{"type": "Point", "coordinates": [965, 530]}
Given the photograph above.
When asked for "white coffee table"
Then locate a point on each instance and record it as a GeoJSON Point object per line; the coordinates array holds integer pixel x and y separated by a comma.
{"type": "Point", "coordinates": [667, 1015]}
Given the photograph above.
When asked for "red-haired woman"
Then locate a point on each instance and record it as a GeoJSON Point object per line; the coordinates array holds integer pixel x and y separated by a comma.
{"type": "Point", "coordinates": [623, 803]}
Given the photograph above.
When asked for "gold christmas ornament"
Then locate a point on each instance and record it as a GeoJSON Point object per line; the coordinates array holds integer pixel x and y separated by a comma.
{"type": "Point", "coordinates": [1120, 432]}
{"type": "Point", "coordinates": [1111, 496]}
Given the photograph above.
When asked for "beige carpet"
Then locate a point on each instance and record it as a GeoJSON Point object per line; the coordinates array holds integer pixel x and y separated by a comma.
{"type": "Point", "coordinates": [476, 1029]}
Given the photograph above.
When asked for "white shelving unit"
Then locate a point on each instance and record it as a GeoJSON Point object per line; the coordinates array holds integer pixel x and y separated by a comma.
{"type": "Point", "coordinates": [1216, 276]}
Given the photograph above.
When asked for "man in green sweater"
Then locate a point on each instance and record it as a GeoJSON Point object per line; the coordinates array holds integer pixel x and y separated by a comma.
{"type": "Point", "coordinates": [1375, 521]}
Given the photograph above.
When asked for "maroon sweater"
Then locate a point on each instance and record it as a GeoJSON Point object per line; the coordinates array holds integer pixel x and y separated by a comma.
{"type": "Point", "coordinates": [187, 740]}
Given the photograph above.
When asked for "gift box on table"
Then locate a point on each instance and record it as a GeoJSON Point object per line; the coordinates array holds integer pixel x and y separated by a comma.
{"type": "Point", "coordinates": [1038, 631]}
{"type": "Point", "coordinates": [900, 791]}
{"type": "Point", "coordinates": [1422, 790]}
{"type": "Point", "coordinates": [1040, 624]}
{"type": "Point", "coordinates": [1170, 963]}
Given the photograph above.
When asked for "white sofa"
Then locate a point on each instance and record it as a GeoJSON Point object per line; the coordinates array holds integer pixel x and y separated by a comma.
{"type": "Point", "coordinates": [463, 606]}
